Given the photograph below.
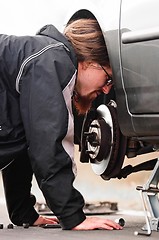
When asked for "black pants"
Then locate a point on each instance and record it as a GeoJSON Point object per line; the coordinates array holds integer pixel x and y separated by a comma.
{"type": "Point", "coordinates": [17, 178]}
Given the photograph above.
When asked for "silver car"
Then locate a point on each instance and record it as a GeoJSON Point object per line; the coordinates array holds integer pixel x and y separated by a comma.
{"type": "Point", "coordinates": [125, 122]}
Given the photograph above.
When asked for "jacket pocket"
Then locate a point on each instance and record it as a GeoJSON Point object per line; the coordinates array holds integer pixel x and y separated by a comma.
{"type": "Point", "coordinates": [5, 124]}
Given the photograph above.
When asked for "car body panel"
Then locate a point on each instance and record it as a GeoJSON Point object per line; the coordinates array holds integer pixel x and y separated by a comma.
{"type": "Point", "coordinates": [131, 38]}
{"type": "Point", "coordinates": [139, 59]}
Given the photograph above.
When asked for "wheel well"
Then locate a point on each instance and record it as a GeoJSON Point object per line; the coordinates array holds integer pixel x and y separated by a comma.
{"type": "Point", "coordinates": [83, 13]}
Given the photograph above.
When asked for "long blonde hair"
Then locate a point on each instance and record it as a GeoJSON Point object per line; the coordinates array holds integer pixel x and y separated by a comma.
{"type": "Point", "coordinates": [87, 40]}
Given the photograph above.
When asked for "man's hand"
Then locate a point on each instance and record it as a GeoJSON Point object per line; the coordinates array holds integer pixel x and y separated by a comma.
{"type": "Point", "coordinates": [91, 223]}
{"type": "Point", "coordinates": [45, 220]}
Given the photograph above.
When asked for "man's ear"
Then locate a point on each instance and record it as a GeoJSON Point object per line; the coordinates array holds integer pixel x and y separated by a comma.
{"type": "Point", "coordinates": [83, 65]}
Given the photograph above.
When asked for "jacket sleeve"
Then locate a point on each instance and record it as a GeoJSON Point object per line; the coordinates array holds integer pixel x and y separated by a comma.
{"type": "Point", "coordinates": [45, 118]}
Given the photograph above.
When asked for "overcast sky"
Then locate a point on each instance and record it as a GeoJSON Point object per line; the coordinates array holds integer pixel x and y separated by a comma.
{"type": "Point", "coordinates": [22, 17]}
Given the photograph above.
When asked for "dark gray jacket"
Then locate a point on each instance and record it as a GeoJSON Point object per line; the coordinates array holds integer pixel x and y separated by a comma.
{"type": "Point", "coordinates": [37, 77]}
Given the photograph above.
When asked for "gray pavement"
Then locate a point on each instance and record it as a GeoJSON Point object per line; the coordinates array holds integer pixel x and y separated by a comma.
{"type": "Point", "coordinates": [123, 192]}
{"type": "Point", "coordinates": [134, 222]}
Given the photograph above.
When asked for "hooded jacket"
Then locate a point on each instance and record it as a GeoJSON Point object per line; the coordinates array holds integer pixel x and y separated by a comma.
{"type": "Point", "coordinates": [37, 77]}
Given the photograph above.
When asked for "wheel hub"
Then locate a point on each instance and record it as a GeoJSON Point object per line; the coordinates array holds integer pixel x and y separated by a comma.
{"type": "Point", "coordinates": [103, 141]}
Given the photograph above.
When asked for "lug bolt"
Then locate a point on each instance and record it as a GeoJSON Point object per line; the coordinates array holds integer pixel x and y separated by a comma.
{"type": "Point", "coordinates": [25, 225]}
{"type": "Point", "coordinates": [1, 226]}
{"type": "Point", "coordinates": [10, 226]}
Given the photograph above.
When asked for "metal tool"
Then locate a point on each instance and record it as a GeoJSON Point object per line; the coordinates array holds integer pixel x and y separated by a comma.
{"type": "Point", "coordinates": [120, 221]}
{"type": "Point", "coordinates": [150, 202]}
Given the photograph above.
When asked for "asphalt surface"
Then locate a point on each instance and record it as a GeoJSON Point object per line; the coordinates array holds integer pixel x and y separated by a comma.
{"type": "Point", "coordinates": [134, 221]}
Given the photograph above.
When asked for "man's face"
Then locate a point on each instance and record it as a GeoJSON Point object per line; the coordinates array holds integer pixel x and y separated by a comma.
{"type": "Point", "coordinates": [91, 81]}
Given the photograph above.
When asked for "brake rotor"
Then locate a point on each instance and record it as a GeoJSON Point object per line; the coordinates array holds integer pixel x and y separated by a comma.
{"type": "Point", "coordinates": [105, 144]}
{"type": "Point", "coordinates": [100, 155]}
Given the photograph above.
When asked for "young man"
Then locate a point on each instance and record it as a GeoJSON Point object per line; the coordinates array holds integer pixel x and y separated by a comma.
{"type": "Point", "coordinates": [39, 77]}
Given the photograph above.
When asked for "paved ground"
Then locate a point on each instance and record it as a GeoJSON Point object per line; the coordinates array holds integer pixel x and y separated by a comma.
{"type": "Point", "coordinates": [123, 192]}
{"type": "Point", "coordinates": [134, 222]}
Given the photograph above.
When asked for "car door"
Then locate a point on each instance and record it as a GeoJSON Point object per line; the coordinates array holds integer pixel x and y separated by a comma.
{"type": "Point", "coordinates": [139, 51]}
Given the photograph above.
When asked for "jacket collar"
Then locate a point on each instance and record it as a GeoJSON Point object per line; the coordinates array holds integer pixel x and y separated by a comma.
{"type": "Point", "coordinates": [51, 31]}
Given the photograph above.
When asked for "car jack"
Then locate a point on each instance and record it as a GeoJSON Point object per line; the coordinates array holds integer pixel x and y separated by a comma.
{"type": "Point", "coordinates": [149, 194]}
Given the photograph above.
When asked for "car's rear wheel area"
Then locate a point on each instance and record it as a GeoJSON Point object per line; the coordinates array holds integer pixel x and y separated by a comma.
{"type": "Point", "coordinates": [98, 133]}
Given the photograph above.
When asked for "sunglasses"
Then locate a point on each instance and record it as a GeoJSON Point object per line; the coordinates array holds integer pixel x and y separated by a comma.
{"type": "Point", "coordinates": [109, 80]}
